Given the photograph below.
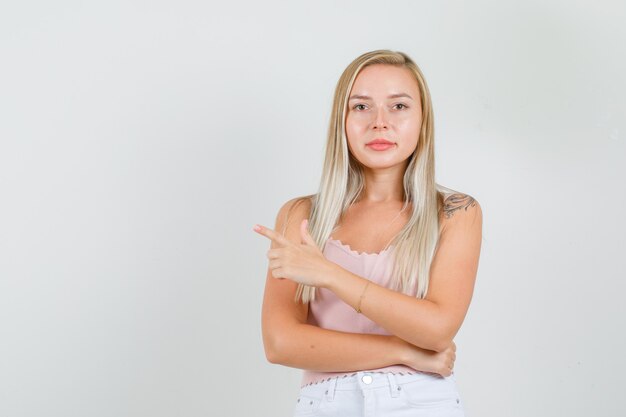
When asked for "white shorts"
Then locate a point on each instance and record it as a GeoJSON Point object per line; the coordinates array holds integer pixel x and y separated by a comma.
{"type": "Point", "coordinates": [374, 394]}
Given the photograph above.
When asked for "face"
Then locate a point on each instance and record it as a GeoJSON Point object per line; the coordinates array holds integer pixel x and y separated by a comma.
{"type": "Point", "coordinates": [384, 104]}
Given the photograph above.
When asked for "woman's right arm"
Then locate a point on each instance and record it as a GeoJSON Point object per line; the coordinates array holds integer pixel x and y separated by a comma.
{"type": "Point", "coordinates": [289, 340]}
{"type": "Point", "coordinates": [307, 346]}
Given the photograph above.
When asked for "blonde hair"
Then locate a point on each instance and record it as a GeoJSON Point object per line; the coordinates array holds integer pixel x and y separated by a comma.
{"type": "Point", "coordinates": [342, 182]}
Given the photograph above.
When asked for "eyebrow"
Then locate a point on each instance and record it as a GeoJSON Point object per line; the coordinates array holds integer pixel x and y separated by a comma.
{"type": "Point", "coordinates": [360, 97]}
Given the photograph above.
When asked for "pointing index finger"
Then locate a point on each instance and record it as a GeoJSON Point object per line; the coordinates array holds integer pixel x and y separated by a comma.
{"type": "Point", "coordinates": [272, 234]}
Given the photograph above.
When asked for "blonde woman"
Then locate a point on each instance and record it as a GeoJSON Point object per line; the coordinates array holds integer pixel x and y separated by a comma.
{"type": "Point", "coordinates": [370, 279]}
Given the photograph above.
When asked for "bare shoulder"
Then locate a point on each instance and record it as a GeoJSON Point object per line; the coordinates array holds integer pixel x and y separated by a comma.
{"type": "Point", "coordinates": [293, 212]}
{"type": "Point", "coordinates": [459, 208]}
{"type": "Point", "coordinates": [455, 202]}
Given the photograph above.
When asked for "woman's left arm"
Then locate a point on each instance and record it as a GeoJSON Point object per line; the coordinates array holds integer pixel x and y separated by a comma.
{"type": "Point", "coordinates": [430, 323]}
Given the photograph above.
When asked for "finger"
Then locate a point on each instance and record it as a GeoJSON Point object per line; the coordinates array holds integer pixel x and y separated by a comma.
{"type": "Point", "coordinates": [278, 273]}
{"type": "Point", "coordinates": [273, 253]}
{"type": "Point", "coordinates": [271, 234]}
{"type": "Point", "coordinates": [274, 264]}
{"type": "Point", "coordinates": [304, 233]}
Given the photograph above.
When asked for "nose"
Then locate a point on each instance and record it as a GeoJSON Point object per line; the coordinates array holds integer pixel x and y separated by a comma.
{"type": "Point", "coordinates": [381, 119]}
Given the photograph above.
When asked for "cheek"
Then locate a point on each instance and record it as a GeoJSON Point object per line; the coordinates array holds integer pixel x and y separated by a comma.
{"type": "Point", "coordinates": [411, 126]}
{"type": "Point", "coordinates": [350, 135]}
{"type": "Point", "coordinates": [354, 128]}
{"type": "Point", "coordinates": [353, 147]}
{"type": "Point", "coordinates": [352, 122]}
{"type": "Point", "coordinates": [410, 132]}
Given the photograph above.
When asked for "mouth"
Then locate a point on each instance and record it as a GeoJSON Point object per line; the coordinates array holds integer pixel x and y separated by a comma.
{"type": "Point", "coordinates": [380, 141]}
{"type": "Point", "coordinates": [380, 144]}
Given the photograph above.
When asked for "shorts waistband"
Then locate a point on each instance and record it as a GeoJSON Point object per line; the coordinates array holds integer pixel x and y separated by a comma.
{"type": "Point", "coordinates": [366, 380]}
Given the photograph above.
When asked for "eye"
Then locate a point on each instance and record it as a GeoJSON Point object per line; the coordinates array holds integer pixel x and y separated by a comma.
{"type": "Point", "coordinates": [356, 106]}
{"type": "Point", "coordinates": [403, 105]}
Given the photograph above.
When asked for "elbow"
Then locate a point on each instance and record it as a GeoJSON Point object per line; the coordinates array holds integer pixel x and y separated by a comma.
{"type": "Point", "coordinates": [442, 333]}
{"type": "Point", "coordinates": [443, 341]}
{"type": "Point", "coordinates": [442, 345]}
{"type": "Point", "coordinates": [279, 343]}
{"type": "Point", "coordinates": [272, 350]}
{"type": "Point", "coordinates": [272, 357]}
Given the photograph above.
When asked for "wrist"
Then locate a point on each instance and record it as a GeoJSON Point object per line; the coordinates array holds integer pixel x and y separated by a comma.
{"type": "Point", "coordinates": [401, 350]}
{"type": "Point", "coordinates": [329, 274]}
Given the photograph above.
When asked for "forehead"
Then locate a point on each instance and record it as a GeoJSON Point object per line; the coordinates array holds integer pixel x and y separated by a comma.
{"type": "Point", "coordinates": [381, 79]}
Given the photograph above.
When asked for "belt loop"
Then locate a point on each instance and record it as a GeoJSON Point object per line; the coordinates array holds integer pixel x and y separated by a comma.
{"type": "Point", "coordinates": [393, 385]}
{"type": "Point", "coordinates": [330, 390]}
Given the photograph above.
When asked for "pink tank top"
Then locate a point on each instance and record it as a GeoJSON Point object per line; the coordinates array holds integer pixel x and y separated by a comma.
{"type": "Point", "coordinates": [330, 312]}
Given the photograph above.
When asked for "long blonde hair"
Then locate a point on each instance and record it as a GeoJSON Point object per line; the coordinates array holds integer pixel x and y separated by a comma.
{"type": "Point", "coordinates": [342, 182]}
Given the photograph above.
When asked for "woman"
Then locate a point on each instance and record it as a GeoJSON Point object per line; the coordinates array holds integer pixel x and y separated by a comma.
{"type": "Point", "coordinates": [371, 317]}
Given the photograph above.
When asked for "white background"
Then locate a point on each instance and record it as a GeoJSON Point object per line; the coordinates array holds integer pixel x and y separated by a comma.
{"type": "Point", "coordinates": [141, 141]}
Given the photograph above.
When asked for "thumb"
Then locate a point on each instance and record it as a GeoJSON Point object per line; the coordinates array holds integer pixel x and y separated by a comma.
{"type": "Point", "coordinates": [304, 233]}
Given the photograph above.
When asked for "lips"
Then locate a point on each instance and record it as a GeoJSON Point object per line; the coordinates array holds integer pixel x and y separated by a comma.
{"type": "Point", "coordinates": [380, 144]}
{"type": "Point", "coordinates": [380, 141]}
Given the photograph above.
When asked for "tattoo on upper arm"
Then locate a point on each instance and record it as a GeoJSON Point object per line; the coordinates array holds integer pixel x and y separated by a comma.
{"type": "Point", "coordinates": [457, 201]}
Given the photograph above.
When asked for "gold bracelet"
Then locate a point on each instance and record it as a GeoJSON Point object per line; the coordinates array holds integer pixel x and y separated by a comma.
{"type": "Point", "coordinates": [358, 309]}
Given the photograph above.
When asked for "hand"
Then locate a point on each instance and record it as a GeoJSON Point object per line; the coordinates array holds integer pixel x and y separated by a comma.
{"type": "Point", "coordinates": [300, 262]}
{"type": "Point", "coordinates": [425, 360]}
